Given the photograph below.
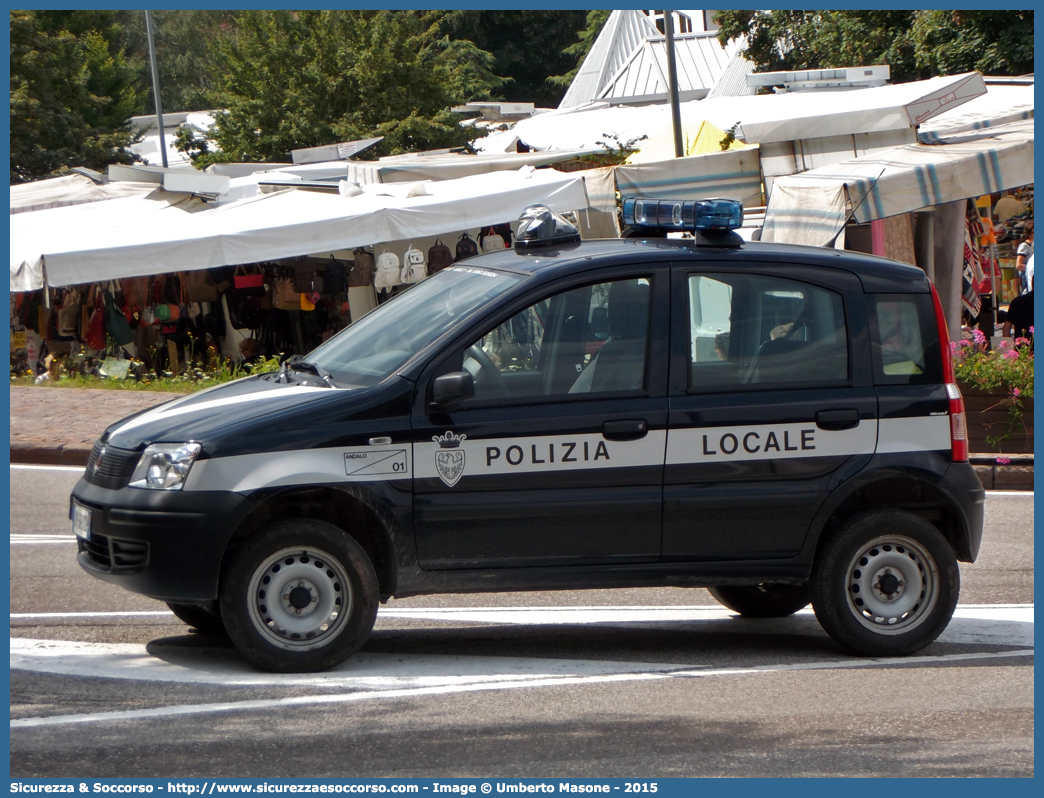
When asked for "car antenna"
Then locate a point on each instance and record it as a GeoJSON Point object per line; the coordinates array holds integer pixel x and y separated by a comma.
{"type": "Point", "coordinates": [830, 244]}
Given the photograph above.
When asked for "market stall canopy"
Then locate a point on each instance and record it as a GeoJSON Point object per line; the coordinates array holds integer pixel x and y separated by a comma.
{"type": "Point", "coordinates": [759, 119]}
{"type": "Point", "coordinates": [288, 223]}
{"type": "Point", "coordinates": [419, 166]}
{"type": "Point", "coordinates": [75, 189]}
{"type": "Point", "coordinates": [735, 174]}
{"type": "Point", "coordinates": [811, 207]}
{"type": "Point", "coordinates": [1003, 103]}
{"type": "Point", "coordinates": [32, 234]}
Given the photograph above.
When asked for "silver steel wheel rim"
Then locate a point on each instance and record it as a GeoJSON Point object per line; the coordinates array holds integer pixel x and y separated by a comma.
{"type": "Point", "coordinates": [892, 585]}
{"type": "Point", "coordinates": [300, 598]}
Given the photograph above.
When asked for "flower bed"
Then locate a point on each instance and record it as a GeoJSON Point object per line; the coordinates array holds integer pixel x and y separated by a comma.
{"type": "Point", "coordinates": [998, 393]}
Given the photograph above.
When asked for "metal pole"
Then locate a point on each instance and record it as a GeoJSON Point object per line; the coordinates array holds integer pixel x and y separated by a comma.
{"type": "Point", "coordinates": [672, 79]}
{"type": "Point", "coordinates": [156, 87]}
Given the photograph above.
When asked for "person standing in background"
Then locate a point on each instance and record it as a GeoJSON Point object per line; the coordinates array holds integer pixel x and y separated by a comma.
{"type": "Point", "coordinates": [1022, 256]}
{"type": "Point", "coordinates": [1019, 322]}
{"type": "Point", "coordinates": [1008, 206]}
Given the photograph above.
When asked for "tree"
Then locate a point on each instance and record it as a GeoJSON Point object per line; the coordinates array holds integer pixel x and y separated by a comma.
{"type": "Point", "coordinates": [915, 44]}
{"type": "Point", "coordinates": [73, 88]}
{"type": "Point", "coordinates": [527, 47]}
{"type": "Point", "coordinates": [578, 50]}
{"type": "Point", "coordinates": [289, 80]}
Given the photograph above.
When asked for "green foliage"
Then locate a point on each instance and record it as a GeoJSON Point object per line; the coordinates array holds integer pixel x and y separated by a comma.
{"type": "Point", "coordinates": [303, 79]}
{"type": "Point", "coordinates": [915, 44]}
{"type": "Point", "coordinates": [73, 87]}
{"type": "Point", "coordinates": [578, 51]}
{"type": "Point", "coordinates": [527, 46]}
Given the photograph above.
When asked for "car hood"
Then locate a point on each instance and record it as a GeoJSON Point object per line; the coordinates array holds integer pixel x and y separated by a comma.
{"type": "Point", "coordinates": [218, 412]}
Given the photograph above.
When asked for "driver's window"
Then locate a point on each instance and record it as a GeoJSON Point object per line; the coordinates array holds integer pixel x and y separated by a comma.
{"type": "Point", "coordinates": [587, 340]}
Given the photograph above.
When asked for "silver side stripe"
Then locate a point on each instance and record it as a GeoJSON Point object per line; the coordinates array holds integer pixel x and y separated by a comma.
{"type": "Point", "coordinates": [767, 442]}
{"type": "Point", "coordinates": [249, 472]}
{"type": "Point", "coordinates": [457, 456]}
{"type": "Point", "coordinates": [917, 434]}
{"type": "Point", "coordinates": [451, 457]}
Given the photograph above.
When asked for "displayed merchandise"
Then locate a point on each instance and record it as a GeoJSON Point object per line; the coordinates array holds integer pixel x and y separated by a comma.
{"type": "Point", "coordinates": [439, 257]}
{"type": "Point", "coordinates": [388, 275]}
{"type": "Point", "coordinates": [466, 247]}
{"type": "Point", "coordinates": [414, 269]}
{"type": "Point", "coordinates": [363, 268]}
{"type": "Point", "coordinates": [334, 281]}
{"type": "Point", "coordinates": [495, 237]}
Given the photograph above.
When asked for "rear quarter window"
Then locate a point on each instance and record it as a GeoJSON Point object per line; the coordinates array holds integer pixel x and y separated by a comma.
{"type": "Point", "coordinates": [904, 339]}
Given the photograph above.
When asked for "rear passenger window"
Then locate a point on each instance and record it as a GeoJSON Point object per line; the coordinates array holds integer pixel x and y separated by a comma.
{"type": "Point", "coordinates": [905, 341]}
{"type": "Point", "coordinates": [755, 331]}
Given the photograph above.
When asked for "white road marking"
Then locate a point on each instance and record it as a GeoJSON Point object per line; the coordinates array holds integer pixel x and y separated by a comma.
{"type": "Point", "coordinates": [345, 698]}
{"type": "Point", "coordinates": [26, 467]}
{"type": "Point", "coordinates": [22, 616]}
{"type": "Point", "coordinates": [36, 540]}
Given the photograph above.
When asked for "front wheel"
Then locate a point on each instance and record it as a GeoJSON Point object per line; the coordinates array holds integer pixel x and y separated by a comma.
{"type": "Point", "coordinates": [300, 597]}
{"type": "Point", "coordinates": [885, 584]}
{"type": "Point", "coordinates": [763, 601]}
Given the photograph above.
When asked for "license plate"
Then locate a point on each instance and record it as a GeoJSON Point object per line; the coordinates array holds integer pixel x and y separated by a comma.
{"type": "Point", "coordinates": [81, 522]}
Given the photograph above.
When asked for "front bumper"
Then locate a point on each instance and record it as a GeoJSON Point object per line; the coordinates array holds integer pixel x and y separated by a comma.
{"type": "Point", "coordinates": [167, 545]}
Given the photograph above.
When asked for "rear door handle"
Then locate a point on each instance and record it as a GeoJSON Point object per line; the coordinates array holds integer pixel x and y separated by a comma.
{"type": "Point", "coordinates": [630, 430]}
{"type": "Point", "coordinates": [837, 419]}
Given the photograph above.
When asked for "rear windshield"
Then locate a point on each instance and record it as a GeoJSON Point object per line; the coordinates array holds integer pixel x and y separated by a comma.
{"type": "Point", "coordinates": [905, 339]}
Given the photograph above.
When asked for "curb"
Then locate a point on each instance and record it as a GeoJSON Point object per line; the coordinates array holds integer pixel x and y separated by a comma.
{"type": "Point", "coordinates": [1015, 475]}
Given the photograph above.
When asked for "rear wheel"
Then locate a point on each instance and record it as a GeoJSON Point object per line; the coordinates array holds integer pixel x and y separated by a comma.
{"type": "Point", "coordinates": [763, 601]}
{"type": "Point", "coordinates": [885, 584]}
{"type": "Point", "coordinates": [205, 619]}
{"type": "Point", "coordinates": [300, 597]}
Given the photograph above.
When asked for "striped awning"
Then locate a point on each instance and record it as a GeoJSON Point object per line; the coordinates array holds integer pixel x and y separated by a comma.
{"type": "Point", "coordinates": [735, 174]}
{"type": "Point", "coordinates": [809, 208]}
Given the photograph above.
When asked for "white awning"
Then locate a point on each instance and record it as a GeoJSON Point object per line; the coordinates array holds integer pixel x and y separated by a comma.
{"type": "Point", "coordinates": [735, 174]}
{"type": "Point", "coordinates": [809, 208]}
{"type": "Point", "coordinates": [283, 224]}
{"type": "Point", "coordinates": [59, 192]}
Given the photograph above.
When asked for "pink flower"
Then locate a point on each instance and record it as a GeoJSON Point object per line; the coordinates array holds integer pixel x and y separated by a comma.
{"type": "Point", "coordinates": [1003, 460]}
{"type": "Point", "coordinates": [953, 347]}
{"type": "Point", "coordinates": [979, 336]}
{"type": "Point", "coordinates": [1015, 391]}
{"type": "Point", "coordinates": [1022, 341]}
{"type": "Point", "coordinates": [1004, 345]}
{"type": "Point", "coordinates": [1031, 329]}
{"type": "Point", "coordinates": [1011, 354]}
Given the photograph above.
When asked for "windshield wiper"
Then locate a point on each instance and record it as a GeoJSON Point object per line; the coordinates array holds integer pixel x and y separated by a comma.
{"type": "Point", "coordinates": [297, 363]}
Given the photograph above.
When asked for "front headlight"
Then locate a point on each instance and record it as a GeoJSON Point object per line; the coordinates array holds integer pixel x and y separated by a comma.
{"type": "Point", "coordinates": [164, 466]}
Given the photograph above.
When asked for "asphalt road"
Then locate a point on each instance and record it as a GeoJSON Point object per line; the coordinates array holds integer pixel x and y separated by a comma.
{"type": "Point", "coordinates": [623, 683]}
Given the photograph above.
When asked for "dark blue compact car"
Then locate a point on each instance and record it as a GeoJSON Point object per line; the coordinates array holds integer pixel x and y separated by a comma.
{"type": "Point", "coordinates": [777, 423]}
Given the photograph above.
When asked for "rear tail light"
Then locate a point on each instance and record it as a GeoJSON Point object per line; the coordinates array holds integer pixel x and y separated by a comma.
{"type": "Point", "coordinates": [958, 421]}
{"type": "Point", "coordinates": [958, 424]}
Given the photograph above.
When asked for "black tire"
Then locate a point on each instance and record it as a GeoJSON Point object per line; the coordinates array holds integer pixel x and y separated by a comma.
{"type": "Point", "coordinates": [885, 583]}
{"type": "Point", "coordinates": [206, 620]}
{"type": "Point", "coordinates": [314, 570]}
{"type": "Point", "coordinates": [763, 601]}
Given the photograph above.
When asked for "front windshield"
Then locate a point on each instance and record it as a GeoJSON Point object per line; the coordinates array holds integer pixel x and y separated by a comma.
{"type": "Point", "coordinates": [372, 348]}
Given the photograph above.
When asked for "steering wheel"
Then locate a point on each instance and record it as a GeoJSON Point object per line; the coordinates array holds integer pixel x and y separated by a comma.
{"type": "Point", "coordinates": [489, 376]}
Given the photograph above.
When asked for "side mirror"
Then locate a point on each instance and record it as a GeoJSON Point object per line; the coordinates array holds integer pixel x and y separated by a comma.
{"type": "Point", "coordinates": [449, 390]}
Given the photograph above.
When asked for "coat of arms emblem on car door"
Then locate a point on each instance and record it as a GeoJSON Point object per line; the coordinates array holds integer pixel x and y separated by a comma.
{"type": "Point", "coordinates": [449, 459]}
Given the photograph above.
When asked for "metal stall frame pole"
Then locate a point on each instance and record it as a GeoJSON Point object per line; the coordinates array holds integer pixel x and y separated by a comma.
{"type": "Point", "coordinates": [156, 87]}
{"type": "Point", "coordinates": [672, 79]}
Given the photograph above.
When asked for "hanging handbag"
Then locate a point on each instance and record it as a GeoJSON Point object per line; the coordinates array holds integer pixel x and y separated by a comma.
{"type": "Point", "coordinates": [284, 297]}
{"type": "Point", "coordinates": [94, 336]}
{"type": "Point", "coordinates": [252, 284]}
{"type": "Point", "coordinates": [362, 269]}
{"type": "Point", "coordinates": [198, 287]}
{"type": "Point", "coordinates": [306, 278]}
{"type": "Point", "coordinates": [116, 325]}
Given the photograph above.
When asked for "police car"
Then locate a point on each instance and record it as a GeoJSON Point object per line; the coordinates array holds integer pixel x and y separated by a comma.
{"type": "Point", "coordinates": [777, 423]}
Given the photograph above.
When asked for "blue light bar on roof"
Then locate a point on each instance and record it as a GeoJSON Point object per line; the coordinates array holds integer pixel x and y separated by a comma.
{"type": "Point", "coordinates": [700, 215]}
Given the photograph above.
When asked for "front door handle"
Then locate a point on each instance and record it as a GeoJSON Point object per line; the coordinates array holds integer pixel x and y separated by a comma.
{"type": "Point", "coordinates": [630, 430]}
{"type": "Point", "coordinates": [837, 419]}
